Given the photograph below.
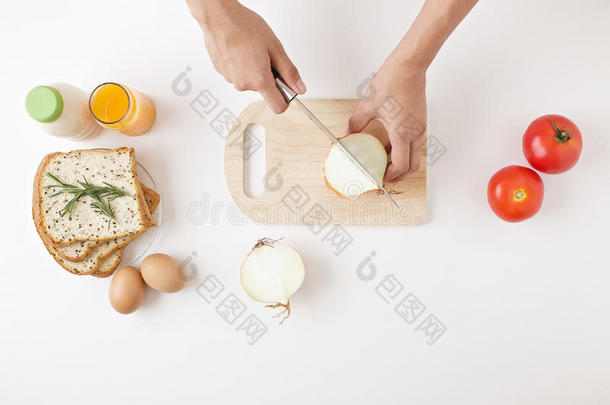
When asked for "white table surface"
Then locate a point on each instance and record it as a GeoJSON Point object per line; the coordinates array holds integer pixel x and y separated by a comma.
{"type": "Point", "coordinates": [525, 305]}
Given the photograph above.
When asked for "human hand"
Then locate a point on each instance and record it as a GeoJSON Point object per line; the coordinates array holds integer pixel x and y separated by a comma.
{"type": "Point", "coordinates": [242, 48]}
{"type": "Point", "coordinates": [397, 97]}
{"type": "Point", "coordinates": [397, 94]}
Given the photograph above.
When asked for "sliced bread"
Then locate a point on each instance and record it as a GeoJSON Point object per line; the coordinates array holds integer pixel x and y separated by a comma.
{"type": "Point", "coordinates": [107, 267]}
{"type": "Point", "coordinates": [102, 259]}
{"type": "Point", "coordinates": [152, 198]}
{"type": "Point", "coordinates": [81, 250]}
{"type": "Point", "coordinates": [116, 167]}
{"type": "Point", "coordinates": [91, 264]}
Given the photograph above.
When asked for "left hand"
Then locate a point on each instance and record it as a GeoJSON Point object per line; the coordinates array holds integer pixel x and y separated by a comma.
{"type": "Point", "coordinates": [397, 97]}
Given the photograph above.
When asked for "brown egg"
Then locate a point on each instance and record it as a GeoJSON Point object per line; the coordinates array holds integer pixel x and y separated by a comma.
{"type": "Point", "coordinates": [127, 290]}
{"type": "Point", "coordinates": [163, 273]}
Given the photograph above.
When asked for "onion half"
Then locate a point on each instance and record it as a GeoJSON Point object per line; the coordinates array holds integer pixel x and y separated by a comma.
{"type": "Point", "coordinates": [343, 177]}
{"type": "Point", "coordinates": [271, 273]}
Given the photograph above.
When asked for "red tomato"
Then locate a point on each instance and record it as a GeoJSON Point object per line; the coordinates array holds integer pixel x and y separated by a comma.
{"type": "Point", "coordinates": [515, 193]}
{"type": "Point", "coordinates": [552, 144]}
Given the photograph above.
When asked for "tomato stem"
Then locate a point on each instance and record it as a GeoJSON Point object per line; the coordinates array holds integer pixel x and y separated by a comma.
{"type": "Point", "coordinates": [563, 134]}
{"type": "Point", "coordinates": [519, 195]}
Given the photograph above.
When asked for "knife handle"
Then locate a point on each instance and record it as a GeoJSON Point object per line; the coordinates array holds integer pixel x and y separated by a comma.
{"type": "Point", "coordinates": [286, 91]}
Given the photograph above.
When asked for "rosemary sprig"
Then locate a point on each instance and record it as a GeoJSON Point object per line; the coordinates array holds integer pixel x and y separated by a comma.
{"type": "Point", "coordinates": [103, 207]}
{"type": "Point", "coordinates": [97, 193]}
{"type": "Point", "coordinates": [64, 187]}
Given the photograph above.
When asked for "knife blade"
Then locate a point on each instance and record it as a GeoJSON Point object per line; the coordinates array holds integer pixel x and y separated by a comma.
{"type": "Point", "coordinates": [289, 95]}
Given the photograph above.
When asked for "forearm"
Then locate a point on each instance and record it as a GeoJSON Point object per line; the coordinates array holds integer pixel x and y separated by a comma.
{"type": "Point", "coordinates": [433, 25]}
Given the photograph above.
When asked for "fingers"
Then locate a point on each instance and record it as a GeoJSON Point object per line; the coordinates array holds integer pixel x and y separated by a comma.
{"type": "Point", "coordinates": [400, 160]}
{"type": "Point", "coordinates": [272, 94]}
{"type": "Point", "coordinates": [359, 120]}
{"type": "Point", "coordinates": [406, 159]}
{"type": "Point", "coordinates": [415, 154]}
{"type": "Point", "coordinates": [262, 80]}
{"type": "Point", "coordinates": [287, 70]}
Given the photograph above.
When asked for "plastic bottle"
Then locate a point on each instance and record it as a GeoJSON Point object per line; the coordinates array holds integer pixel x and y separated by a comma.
{"type": "Point", "coordinates": [61, 109]}
{"type": "Point", "coordinates": [121, 108]}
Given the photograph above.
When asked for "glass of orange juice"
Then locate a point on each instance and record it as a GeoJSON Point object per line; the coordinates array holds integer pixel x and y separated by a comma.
{"type": "Point", "coordinates": [118, 107]}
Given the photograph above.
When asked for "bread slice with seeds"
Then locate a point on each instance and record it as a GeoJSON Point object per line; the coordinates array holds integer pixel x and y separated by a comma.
{"type": "Point", "coordinates": [152, 198]}
{"type": "Point", "coordinates": [104, 255]}
{"type": "Point", "coordinates": [92, 263]}
{"type": "Point", "coordinates": [109, 264]}
{"type": "Point", "coordinates": [104, 258]}
{"type": "Point", "coordinates": [115, 167]}
{"type": "Point", "coordinates": [81, 250]}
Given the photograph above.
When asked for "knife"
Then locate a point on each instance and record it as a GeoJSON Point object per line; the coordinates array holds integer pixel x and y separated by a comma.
{"type": "Point", "coordinates": [290, 96]}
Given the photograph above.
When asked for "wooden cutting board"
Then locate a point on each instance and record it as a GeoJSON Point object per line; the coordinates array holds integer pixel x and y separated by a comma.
{"type": "Point", "coordinates": [295, 191]}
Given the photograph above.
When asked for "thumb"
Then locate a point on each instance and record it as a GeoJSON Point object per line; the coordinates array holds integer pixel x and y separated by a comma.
{"type": "Point", "coordinates": [284, 66]}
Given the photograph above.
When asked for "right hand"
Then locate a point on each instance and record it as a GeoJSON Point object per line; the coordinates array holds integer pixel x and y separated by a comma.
{"type": "Point", "coordinates": [243, 47]}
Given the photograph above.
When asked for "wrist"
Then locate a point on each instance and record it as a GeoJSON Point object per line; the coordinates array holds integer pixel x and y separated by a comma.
{"type": "Point", "coordinates": [413, 54]}
{"type": "Point", "coordinates": [411, 62]}
{"type": "Point", "coordinates": [206, 11]}
{"type": "Point", "coordinates": [415, 64]}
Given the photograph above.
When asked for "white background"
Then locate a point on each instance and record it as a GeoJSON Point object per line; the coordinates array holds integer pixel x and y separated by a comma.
{"type": "Point", "coordinates": [525, 305]}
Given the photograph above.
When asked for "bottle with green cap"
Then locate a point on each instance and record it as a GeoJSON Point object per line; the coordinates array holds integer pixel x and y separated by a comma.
{"type": "Point", "coordinates": [61, 109]}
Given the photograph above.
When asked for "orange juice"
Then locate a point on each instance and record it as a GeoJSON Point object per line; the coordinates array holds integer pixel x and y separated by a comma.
{"type": "Point", "coordinates": [118, 107]}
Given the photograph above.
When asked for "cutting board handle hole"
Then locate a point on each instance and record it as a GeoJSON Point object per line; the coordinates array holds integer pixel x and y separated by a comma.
{"type": "Point", "coordinates": [254, 160]}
